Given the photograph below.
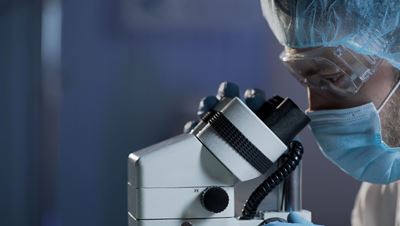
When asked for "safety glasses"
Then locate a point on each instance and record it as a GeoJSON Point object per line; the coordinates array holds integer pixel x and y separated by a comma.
{"type": "Point", "coordinates": [335, 69]}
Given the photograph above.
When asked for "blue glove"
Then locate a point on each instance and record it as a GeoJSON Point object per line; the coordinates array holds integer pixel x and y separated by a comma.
{"type": "Point", "coordinates": [254, 99]}
{"type": "Point", "coordinates": [294, 219]}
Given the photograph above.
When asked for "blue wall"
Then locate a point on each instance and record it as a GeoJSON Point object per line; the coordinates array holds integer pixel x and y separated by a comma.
{"type": "Point", "coordinates": [20, 113]}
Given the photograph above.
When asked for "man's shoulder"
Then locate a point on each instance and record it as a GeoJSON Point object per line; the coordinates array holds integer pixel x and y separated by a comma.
{"type": "Point", "coordinates": [377, 204]}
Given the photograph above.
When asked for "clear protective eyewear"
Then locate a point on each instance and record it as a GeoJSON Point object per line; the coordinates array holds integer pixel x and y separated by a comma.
{"type": "Point", "coordinates": [335, 69]}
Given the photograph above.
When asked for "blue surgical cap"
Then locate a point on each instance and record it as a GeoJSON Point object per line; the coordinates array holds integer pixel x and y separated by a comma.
{"type": "Point", "coordinates": [369, 27]}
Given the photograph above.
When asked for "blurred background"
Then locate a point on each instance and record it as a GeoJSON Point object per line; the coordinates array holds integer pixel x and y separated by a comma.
{"type": "Point", "coordinates": [85, 83]}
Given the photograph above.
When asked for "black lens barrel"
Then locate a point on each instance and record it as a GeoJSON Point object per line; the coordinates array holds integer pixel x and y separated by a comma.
{"type": "Point", "coordinates": [283, 117]}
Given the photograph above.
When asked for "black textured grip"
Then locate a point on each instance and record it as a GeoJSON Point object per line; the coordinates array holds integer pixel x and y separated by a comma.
{"type": "Point", "coordinates": [231, 135]}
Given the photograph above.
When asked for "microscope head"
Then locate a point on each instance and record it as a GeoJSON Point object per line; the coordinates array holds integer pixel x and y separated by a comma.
{"type": "Point", "coordinates": [239, 139]}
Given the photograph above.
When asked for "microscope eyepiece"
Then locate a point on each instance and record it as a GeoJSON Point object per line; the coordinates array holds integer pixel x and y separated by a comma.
{"type": "Point", "coordinates": [283, 117]}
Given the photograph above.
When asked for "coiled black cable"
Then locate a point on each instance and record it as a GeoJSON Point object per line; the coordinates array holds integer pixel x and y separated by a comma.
{"type": "Point", "coordinates": [293, 159]}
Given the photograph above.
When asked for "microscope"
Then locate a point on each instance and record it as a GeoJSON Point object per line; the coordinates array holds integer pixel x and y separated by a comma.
{"type": "Point", "coordinates": [189, 180]}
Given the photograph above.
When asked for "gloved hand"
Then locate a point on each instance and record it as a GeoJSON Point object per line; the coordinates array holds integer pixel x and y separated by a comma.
{"type": "Point", "coordinates": [254, 99]}
{"type": "Point", "coordinates": [294, 219]}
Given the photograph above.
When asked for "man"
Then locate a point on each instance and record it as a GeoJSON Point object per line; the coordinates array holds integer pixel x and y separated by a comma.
{"type": "Point", "coordinates": [347, 54]}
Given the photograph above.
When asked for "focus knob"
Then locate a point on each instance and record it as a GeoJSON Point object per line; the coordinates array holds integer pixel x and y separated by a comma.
{"type": "Point", "coordinates": [214, 199]}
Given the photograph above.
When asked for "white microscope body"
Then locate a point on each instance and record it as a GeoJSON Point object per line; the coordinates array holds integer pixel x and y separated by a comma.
{"type": "Point", "coordinates": [189, 180]}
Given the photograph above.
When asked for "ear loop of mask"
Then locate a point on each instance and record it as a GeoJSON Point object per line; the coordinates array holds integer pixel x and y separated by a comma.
{"type": "Point", "coordinates": [390, 94]}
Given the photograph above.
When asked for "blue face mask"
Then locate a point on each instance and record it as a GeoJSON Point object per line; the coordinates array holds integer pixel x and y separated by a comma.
{"type": "Point", "coordinates": [351, 139]}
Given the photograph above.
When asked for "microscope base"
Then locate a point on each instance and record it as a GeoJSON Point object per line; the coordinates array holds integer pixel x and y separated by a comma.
{"type": "Point", "coordinates": [213, 221]}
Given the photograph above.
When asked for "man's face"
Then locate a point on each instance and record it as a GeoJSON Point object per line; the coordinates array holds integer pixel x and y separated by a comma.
{"type": "Point", "coordinates": [375, 90]}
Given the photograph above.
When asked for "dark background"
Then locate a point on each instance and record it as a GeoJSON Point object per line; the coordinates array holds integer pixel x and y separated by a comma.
{"type": "Point", "coordinates": [85, 82]}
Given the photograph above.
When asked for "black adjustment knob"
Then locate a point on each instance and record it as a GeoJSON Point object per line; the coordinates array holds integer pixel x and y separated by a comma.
{"type": "Point", "coordinates": [214, 199]}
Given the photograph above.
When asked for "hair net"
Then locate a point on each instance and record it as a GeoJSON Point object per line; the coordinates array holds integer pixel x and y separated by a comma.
{"type": "Point", "coordinates": [369, 27]}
